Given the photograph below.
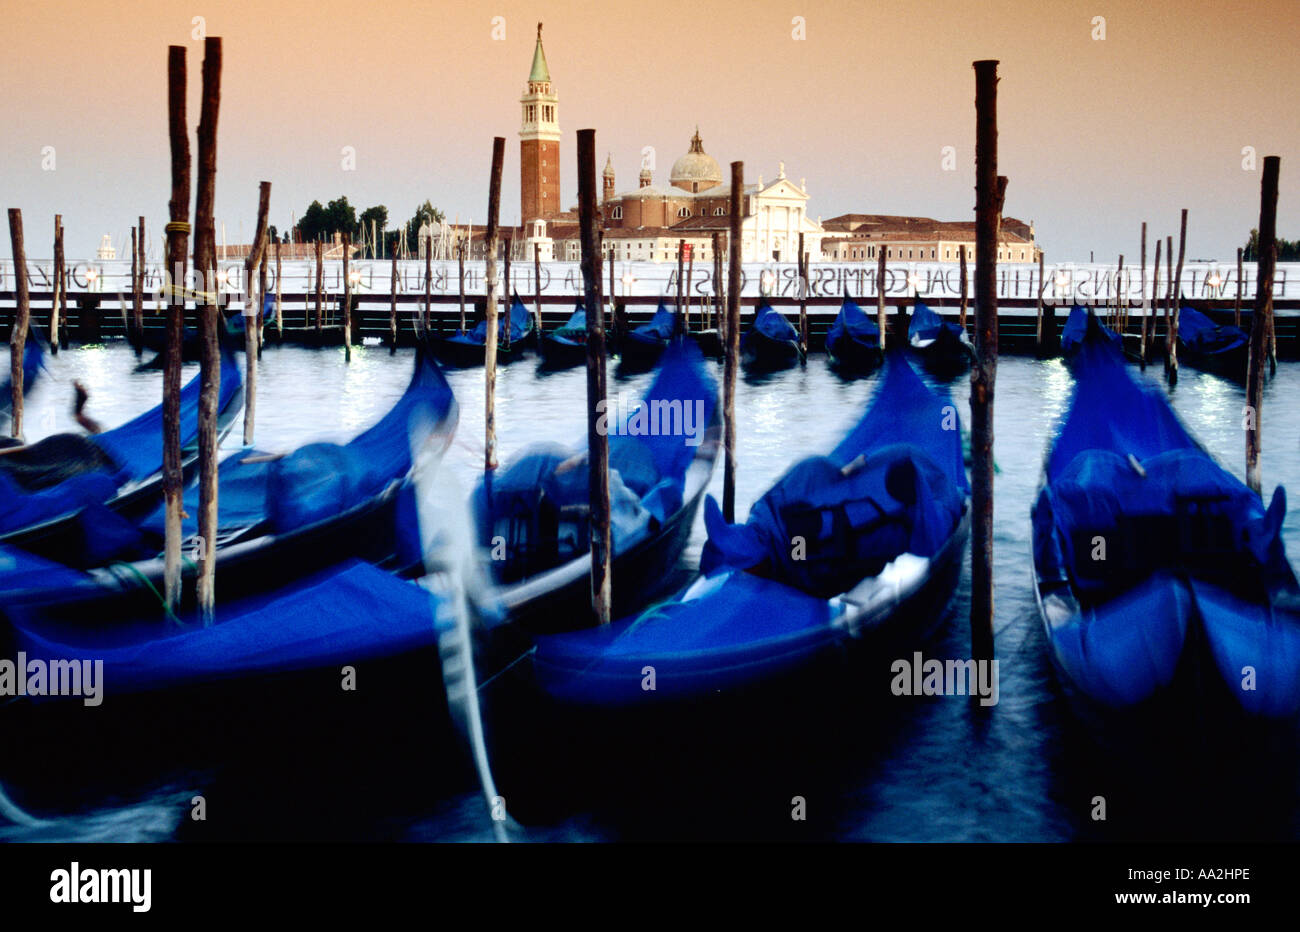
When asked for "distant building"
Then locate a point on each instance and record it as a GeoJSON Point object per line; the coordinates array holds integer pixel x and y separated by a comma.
{"type": "Point", "coordinates": [106, 250]}
{"type": "Point", "coordinates": [539, 142]}
{"type": "Point", "coordinates": [859, 237]}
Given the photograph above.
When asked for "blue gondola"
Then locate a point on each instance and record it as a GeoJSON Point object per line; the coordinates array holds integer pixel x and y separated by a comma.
{"type": "Point", "coordinates": [942, 345]}
{"type": "Point", "coordinates": [771, 342]}
{"type": "Point", "coordinates": [467, 349]}
{"type": "Point", "coordinates": [1218, 348]}
{"type": "Point", "coordinates": [46, 486]}
{"type": "Point", "coordinates": [1160, 577]}
{"type": "Point", "coordinates": [566, 346]}
{"type": "Point", "coordinates": [1076, 326]}
{"type": "Point", "coordinates": [533, 514]}
{"type": "Point", "coordinates": [642, 347]}
{"type": "Point", "coordinates": [33, 365]}
{"type": "Point", "coordinates": [279, 517]}
{"type": "Point", "coordinates": [883, 520]}
{"type": "Point", "coordinates": [853, 339]}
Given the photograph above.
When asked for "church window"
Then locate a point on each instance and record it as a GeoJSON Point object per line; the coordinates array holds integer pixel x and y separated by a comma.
{"type": "Point", "coordinates": [618, 213]}
{"type": "Point", "coordinates": [683, 212]}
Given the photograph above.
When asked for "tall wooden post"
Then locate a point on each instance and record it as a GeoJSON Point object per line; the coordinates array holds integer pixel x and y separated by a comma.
{"type": "Point", "coordinates": [22, 317]}
{"type": "Point", "coordinates": [134, 334]}
{"type": "Point", "coordinates": [461, 265]}
{"type": "Point", "coordinates": [1169, 293]}
{"type": "Point", "coordinates": [1155, 302]}
{"type": "Point", "coordinates": [254, 301]}
{"type": "Point", "coordinates": [62, 335]}
{"type": "Point", "coordinates": [679, 326]}
{"type": "Point", "coordinates": [205, 261]}
{"type": "Point", "coordinates": [279, 317]}
{"type": "Point", "coordinates": [537, 284]}
{"type": "Point", "coordinates": [690, 280]}
{"type": "Point", "coordinates": [597, 439]}
{"type": "Point", "coordinates": [613, 293]}
{"type": "Point", "coordinates": [508, 292]}
{"type": "Point", "coordinates": [1177, 283]}
{"type": "Point", "coordinates": [1118, 321]}
{"type": "Point", "coordinates": [347, 296]}
{"type": "Point", "coordinates": [428, 284]}
{"type": "Point", "coordinates": [961, 268]}
{"type": "Point", "coordinates": [803, 296]}
{"type": "Point", "coordinates": [880, 293]}
{"type": "Point", "coordinates": [1142, 302]}
{"type": "Point", "coordinates": [178, 235]}
{"type": "Point", "coordinates": [731, 362]}
{"type": "Point", "coordinates": [261, 295]}
{"type": "Point", "coordinates": [320, 283]}
{"type": "Point", "coordinates": [1236, 307]}
{"type": "Point", "coordinates": [715, 304]}
{"type": "Point", "coordinates": [1260, 319]}
{"type": "Point", "coordinates": [138, 308]}
{"type": "Point", "coordinates": [58, 284]}
{"type": "Point", "coordinates": [490, 273]}
{"type": "Point", "coordinates": [392, 304]}
{"type": "Point", "coordinates": [990, 191]}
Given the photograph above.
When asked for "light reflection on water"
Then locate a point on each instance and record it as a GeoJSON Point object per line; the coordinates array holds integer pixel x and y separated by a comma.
{"type": "Point", "coordinates": [1020, 775]}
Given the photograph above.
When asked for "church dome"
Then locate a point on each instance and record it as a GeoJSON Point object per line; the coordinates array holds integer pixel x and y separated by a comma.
{"type": "Point", "coordinates": [696, 170]}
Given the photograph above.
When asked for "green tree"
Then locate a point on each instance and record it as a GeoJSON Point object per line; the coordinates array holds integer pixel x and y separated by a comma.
{"type": "Point", "coordinates": [425, 213]}
{"type": "Point", "coordinates": [1287, 250]}
{"type": "Point", "coordinates": [314, 224]}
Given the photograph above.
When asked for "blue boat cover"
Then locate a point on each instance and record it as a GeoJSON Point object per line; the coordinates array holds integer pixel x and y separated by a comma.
{"type": "Point", "coordinates": [33, 364]}
{"type": "Point", "coordinates": [1076, 326]}
{"type": "Point", "coordinates": [321, 480]}
{"type": "Point", "coordinates": [574, 331]}
{"type": "Point", "coordinates": [769, 322]}
{"type": "Point", "coordinates": [890, 487]}
{"type": "Point", "coordinates": [521, 323]}
{"type": "Point", "coordinates": [135, 447]}
{"type": "Point", "coordinates": [20, 570]}
{"type": "Point", "coordinates": [736, 627]}
{"type": "Point", "coordinates": [322, 621]}
{"type": "Point", "coordinates": [1153, 535]}
{"type": "Point", "coordinates": [659, 329]}
{"type": "Point", "coordinates": [651, 447]}
{"type": "Point", "coordinates": [1202, 335]}
{"type": "Point", "coordinates": [853, 323]}
{"type": "Point", "coordinates": [926, 324]}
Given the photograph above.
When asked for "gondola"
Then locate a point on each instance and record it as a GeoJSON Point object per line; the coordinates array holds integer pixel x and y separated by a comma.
{"type": "Point", "coordinates": [52, 490]}
{"type": "Point", "coordinates": [464, 350]}
{"type": "Point", "coordinates": [1076, 327]}
{"type": "Point", "coordinates": [1162, 581]}
{"type": "Point", "coordinates": [942, 345]}
{"type": "Point", "coordinates": [532, 516]}
{"type": "Point", "coordinates": [853, 339]}
{"type": "Point", "coordinates": [883, 520]}
{"type": "Point", "coordinates": [33, 365]}
{"type": "Point", "coordinates": [643, 346]}
{"type": "Point", "coordinates": [771, 342]}
{"type": "Point", "coordinates": [566, 346]}
{"type": "Point", "coordinates": [279, 517]}
{"type": "Point", "coordinates": [1221, 349]}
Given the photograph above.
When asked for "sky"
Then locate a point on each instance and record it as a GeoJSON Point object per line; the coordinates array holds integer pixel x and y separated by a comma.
{"type": "Point", "coordinates": [1097, 135]}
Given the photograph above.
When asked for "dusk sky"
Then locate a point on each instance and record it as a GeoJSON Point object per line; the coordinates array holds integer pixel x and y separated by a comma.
{"type": "Point", "coordinates": [1096, 136]}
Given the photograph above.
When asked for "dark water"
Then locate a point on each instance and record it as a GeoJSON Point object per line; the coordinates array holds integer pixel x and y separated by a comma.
{"type": "Point", "coordinates": [905, 769]}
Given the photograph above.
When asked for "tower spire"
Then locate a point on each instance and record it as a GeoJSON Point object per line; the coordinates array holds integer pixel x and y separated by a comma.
{"type": "Point", "coordinates": [540, 73]}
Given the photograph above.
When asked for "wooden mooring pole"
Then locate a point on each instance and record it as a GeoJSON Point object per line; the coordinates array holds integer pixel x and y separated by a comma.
{"type": "Point", "coordinates": [1261, 318]}
{"type": "Point", "coordinates": [597, 439]}
{"type": "Point", "coordinates": [57, 296]}
{"type": "Point", "coordinates": [490, 272]}
{"type": "Point", "coordinates": [1142, 302]}
{"type": "Point", "coordinates": [509, 293]}
{"type": "Point", "coordinates": [803, 297]}
{"type": "Point", "coordinates": [961, 270]}
{"type": "Point", "coordinates": [990, 191]}
{"type": "Point", "coordinates": [279, 277]}
{"type": "Point", "coordinates": [1236, 307]}
{"type": "Point", "coordinates": [22, 317]}
{"type": "Point", "coordinates": [1155, 300]}
{"type": "Point", "coordinates": [320, 284]}
{"type": "Point", "coordinates": [537, 284]}
{"type": "Point", "coordinates": [254, 301]}
{"type": "Point", "coordinates": [347, 296]}
{"type": "Point", "coordinates": [880, 293]}
{"type": "Point", "coordinates": [134, 334]}
{"type": "Point", "coordinates": [1177, 283]}
{"type": "Point", "coordinates": [731, 362]}
{"type": "Point", "coordinates": [138, 304]}
{"type": "Point", "coordinates": [178, 235]}
{"type": "Point", "coordinates": [1169, 293]}
{"type": "Point", "coordinates": [205, 261]}
{"type": "Point", "coordinates": [392, 303]}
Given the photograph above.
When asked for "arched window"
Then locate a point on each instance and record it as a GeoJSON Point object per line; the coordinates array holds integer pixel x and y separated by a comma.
{"type": "Point", "coordinates": [683, 211]}
{"type": "Point", "coordinates": [618, 213]}
{"type": "Point", "coordinates": [718, 212]}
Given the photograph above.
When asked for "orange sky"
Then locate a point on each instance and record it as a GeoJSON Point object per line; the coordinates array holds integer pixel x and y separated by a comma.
{"type": "Point", "coordinates": [1096, 136]}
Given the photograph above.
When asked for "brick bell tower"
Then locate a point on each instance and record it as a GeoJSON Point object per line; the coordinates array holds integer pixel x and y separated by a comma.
{"type": "Point", "coordinates": [539, 143]}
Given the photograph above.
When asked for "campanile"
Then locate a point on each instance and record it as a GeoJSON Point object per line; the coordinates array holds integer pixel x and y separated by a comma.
{"type": "Point", "coordinates": [539, 142]}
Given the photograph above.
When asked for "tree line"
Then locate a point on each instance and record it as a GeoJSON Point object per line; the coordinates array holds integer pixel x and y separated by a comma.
{"type": "Point", "coordinates": [1287, 250]}
{"type": "Point", "coordinates": [322, 221]}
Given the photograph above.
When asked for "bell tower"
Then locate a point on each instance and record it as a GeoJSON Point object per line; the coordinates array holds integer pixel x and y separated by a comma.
{"type": "Point", "coordinates": [539, 142]}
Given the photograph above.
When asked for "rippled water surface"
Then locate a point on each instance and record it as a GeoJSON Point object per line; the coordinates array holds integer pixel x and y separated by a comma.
{"type": "Point", "coordinates": [919, 769]}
